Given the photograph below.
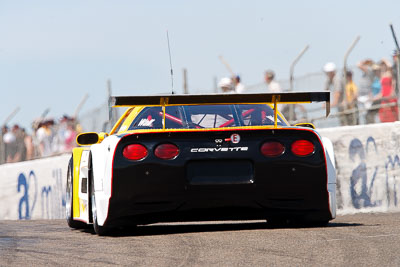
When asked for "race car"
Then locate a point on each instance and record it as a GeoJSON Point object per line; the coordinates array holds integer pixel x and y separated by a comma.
{"type": "Point", "coordinates": [173, 158]}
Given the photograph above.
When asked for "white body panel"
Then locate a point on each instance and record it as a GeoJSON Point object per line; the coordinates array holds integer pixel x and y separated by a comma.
{"type": "Point", "coordinates": [102, 158]}
{"type": "Point", "coordinates": [330, 164]}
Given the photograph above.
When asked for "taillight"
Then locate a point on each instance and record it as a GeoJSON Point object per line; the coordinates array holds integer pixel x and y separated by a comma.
{"type": "Point", "coordinates": [302, 148]}
{"type": "Point", "coordinates": [272, 149]}
{"type": "Point", "coordinates": [166, 151]}
{"type": "Point", "coordinates": [135, 152]}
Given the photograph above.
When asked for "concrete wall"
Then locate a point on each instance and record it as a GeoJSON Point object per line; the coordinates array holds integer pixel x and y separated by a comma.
{"type": "Point", "coordinates": [367, 162]}
{"type": "Point", "coordinates": [368, 167]}
{"type": "Point", "coordinates": [33, 189]}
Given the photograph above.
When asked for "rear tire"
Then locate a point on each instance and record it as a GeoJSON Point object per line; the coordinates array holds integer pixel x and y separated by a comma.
{"type": "Point", "coordinates": [69, 206]}
{"type": "Point", "coordinates": [100, 230]}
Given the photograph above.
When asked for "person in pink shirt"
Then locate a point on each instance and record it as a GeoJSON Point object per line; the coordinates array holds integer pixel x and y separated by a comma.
{"type": "Point", "coordinates": [388, 95]}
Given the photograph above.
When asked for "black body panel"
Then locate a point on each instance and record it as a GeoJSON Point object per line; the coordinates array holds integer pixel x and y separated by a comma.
{"type": "Point", "coordinates": [223, 181]}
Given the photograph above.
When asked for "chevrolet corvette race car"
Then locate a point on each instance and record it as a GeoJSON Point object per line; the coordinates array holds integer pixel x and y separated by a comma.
{"type": "Point", "coordinates": [202, 157]}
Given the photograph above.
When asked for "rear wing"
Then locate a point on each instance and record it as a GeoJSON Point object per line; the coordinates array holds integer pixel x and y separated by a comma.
{"type": "Point", "coordinates": [213, 99]}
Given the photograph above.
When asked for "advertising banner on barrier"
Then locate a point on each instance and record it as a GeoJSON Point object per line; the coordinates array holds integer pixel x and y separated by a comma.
{"type": "Point", "coordinates": [34, 189]}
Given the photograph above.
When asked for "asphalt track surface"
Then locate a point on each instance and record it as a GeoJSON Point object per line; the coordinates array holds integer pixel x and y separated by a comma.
{"type": "Point", "coordinates": [350, 240]}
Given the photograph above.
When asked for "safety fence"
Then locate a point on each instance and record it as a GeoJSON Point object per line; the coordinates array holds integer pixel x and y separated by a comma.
{"type": "Point", "coordinates": [367, 161]}
{"type": "Point", "coordinates": [97, 119]}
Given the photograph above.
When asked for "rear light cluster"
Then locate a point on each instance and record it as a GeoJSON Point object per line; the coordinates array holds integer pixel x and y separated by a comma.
{"type": "Point", "coordinates": [166, 151]}
{"type": "Point", "coordinates": [301, 148]}
{"type": "Point", "coordinates": [139, 152]}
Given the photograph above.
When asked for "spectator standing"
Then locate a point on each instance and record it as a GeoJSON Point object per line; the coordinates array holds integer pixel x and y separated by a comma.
{"type": "Point", "coordinates": [20, 154]}
{"type": "Point", "coordinates": [365, 88]}
{"type": "Point", "coordinates": [58, 142]}
{"type": "Point", "coordinates": [387, 95]}
{"type": "Point", "coordinates": [351, 103]}
{"type": "Point", "coordinates": [2, 148]}
{"type": "Point", "coordinates": [10, 145]}
{"type": "Point", "coordinates": [69, 136]}
{"type": "Point", "coordinates": [374, 94]}
{"type": "Point", "coordinates": [30, 149]}
{"type": "Point", "coordinates": [44, 137]}
{"type": "Point", "coordinates": [239, 87]}
{"type": "Point", "coordinates": [273, 86]}
{"type": "Point", "coordinates": [335, 86]}
{"type": "Point", "coordinates": [226, 86]}
{"type": "Point", "coordinates": [366, 79]}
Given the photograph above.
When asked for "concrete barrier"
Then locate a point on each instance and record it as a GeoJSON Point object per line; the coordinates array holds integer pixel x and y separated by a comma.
{"type": "Point", "coordinates": [33, 189]}
{"type": "Point", "coordinates": [367, 162]}
{"type": "Point", "coordinates": [368, 167]}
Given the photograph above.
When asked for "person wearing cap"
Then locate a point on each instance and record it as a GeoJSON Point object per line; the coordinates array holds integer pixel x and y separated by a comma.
{"type": "Point", "coordinates": [273, 86]}
{"type": "Point", "coordinates": [335, 86]}
{"type": "Point", "coordinates": [226, 85]}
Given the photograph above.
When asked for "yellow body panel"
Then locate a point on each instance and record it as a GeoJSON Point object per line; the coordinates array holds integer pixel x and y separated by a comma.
{"type": "Point", "coordinates": [76, 155]}
{"type": "Point", "coordinates": [129, 116]}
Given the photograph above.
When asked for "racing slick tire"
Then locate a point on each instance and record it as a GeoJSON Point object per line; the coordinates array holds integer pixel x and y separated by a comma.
{"type": "Point", "coordinates": [100, 230]}
{"type": "Point", "coordinates": [69, 205]}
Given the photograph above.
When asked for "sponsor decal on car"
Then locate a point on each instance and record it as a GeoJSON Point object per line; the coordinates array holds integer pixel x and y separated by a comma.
{"type": "Point", "coordinates": [235, 138]}
{"type": "Point", "coordinates": [146, 122]}
{"type": "Point", "coordinates": [219, 149]}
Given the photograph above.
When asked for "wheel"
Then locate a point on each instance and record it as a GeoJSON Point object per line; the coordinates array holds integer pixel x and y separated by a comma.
{"type": "Point", "coordinates": [69, 206]}
{"type": "Point", "coordinates": [100, 230]}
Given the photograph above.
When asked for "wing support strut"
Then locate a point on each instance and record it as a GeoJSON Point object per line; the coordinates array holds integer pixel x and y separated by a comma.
{"type": "Point", "coordinates": [163, 102]}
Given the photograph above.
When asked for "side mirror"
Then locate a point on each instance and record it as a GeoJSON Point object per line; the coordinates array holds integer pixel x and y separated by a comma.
{"type": "Point", "coordinates": [85, 139]}
{"type": "Point", "coordinates": [305, 124]}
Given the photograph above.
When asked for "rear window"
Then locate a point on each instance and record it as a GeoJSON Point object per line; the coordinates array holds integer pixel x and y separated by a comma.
{"type": "Point", "coordinates": [206, 116]}
{"type": "Point", "coordinates": [152, 117]}
{"type": "Point", "coordinates": [257, 115]}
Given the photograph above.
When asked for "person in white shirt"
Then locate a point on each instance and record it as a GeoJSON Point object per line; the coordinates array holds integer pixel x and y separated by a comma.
{"type": "Point", "coordinates": [226, 85]}
{"type": "Point", "coordinates": [273, 86]}
{"type": "Point", "coordinates": [239, 87]}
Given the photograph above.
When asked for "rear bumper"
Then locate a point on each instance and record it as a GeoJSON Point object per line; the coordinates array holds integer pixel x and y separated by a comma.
{"type": "Point", "coordinates": [149, 193]}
